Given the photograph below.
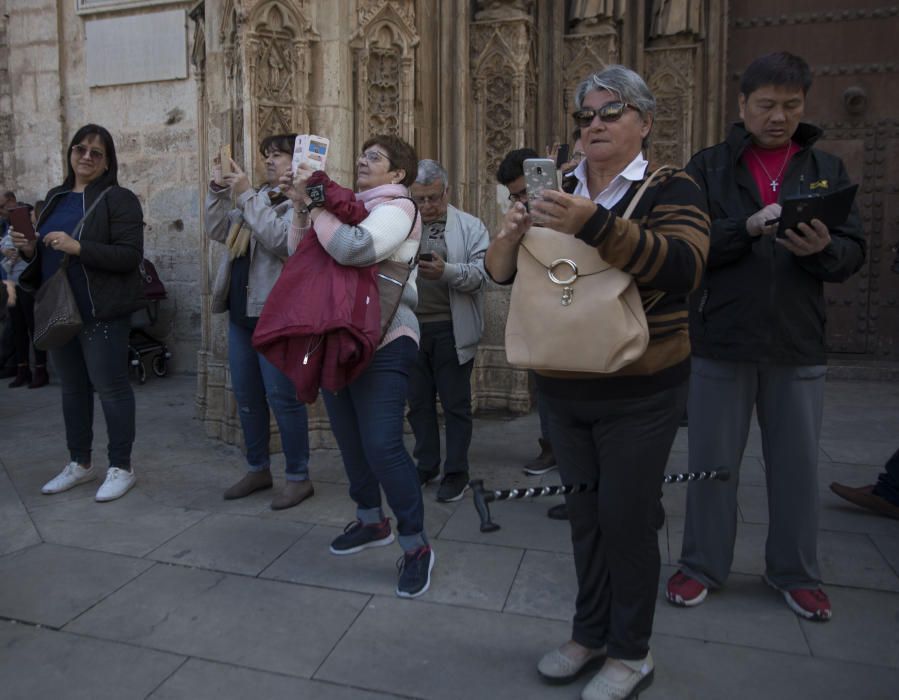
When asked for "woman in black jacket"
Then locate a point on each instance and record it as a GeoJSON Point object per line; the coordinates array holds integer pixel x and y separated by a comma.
{"type": "Point", "coordinates": [98, 228]}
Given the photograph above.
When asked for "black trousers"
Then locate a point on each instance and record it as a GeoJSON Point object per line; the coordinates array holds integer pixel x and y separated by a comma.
{"type": "Point", "coordinates": [22, 317]}
{"type": "Point", "coordinates": [624, 445]}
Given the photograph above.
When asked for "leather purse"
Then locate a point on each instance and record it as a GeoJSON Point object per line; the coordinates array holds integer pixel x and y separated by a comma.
{"type": "Point", "coordinates": [570, 310]}
{"type": "Point", "coordinates": [391, 277]}
{"type": "Point", "coordinates": [56, 316]}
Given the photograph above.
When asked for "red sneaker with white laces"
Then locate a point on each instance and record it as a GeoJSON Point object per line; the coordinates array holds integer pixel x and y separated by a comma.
{"type": "Point", "coordinates": [810, 603]}
{"type": "Point", "coordinates": [685, 591]}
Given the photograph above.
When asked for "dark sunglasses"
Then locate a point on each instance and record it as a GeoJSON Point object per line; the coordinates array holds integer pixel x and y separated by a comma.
{"type": "Point", "coordinates": [609, 112]}
{"type": "Point", "coordinates": [92, 153]}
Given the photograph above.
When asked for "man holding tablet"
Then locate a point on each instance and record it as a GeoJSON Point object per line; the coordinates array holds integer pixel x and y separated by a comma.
{"type": "Point", "coordinates": [757, 333]}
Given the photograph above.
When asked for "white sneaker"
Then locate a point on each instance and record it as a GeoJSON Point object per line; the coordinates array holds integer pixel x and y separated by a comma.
{"type": "Point", "coordinates": [72, 475]}
{"type": "Point", "coordinates": [118, 482]}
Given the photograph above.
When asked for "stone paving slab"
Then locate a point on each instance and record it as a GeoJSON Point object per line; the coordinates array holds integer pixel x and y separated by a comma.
{"type": "Point", "coordinates": [232, 543]}
{"type": "Point", "coordinates": [17, 530]}
{"type": "Point", "coordinates": [864, 628]}
{"type": "Point", "coordinates": [135, 525]}
{"type": "Point", "coordinates": [40, 664]}
{"type": "Point", "coordinates": [545, 586]}
{"type": "Point", "coordinates": [50, 585]}
{"type": "Point", "coordinates": [204, 680]}
{"type": "Point", "coordinates": [445, 652]}
{"type": "Point", "coordinates": [690, 669]}
{"type": "Point", "coordinates": [244, 621]}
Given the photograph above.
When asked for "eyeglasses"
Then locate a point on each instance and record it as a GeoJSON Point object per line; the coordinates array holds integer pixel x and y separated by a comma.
{"type": "Point", "coordinates": [521, 196]}
{"type": "Point", "coordinates": [91, 153]}
{"type": "Point", "coordinates": [428, 199]}
{"type": "Point", "coordinates": [374, 156]}
{"type": "Point", "coordinates": [609, 112]}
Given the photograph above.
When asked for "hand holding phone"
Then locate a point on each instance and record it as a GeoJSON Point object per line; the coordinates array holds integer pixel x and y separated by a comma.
{"type": "Point", "coordinates": [427, 257]}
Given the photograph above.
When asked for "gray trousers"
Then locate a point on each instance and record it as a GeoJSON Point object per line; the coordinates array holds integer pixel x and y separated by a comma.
{"type": "Point", "coordinates": [789, 403]}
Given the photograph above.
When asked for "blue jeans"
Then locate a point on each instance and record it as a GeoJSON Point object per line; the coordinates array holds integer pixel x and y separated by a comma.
{"type": "Point", "coordinates": [437, 372]}
{"type": "Point", "coordinates": [258, 384]}
{"type": "Point", "coordinates": [367, 421]}
{"type": "Point", "coordinates": [97, 359]}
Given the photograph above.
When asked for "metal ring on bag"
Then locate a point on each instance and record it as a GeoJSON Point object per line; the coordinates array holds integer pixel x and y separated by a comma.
{"type": "Point", "coordinates": [562, 261]}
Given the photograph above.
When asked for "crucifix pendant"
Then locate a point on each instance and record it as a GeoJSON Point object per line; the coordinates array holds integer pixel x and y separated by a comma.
{"type": "Point", "coordinates": [774, 185]}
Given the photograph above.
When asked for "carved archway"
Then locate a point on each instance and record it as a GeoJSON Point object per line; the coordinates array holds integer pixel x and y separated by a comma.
{"type": "Point", "coordinates": [384, 69]}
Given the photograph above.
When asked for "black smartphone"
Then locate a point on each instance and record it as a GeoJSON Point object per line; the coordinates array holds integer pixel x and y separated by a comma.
{"type": "Point", "coordinates": [427, 257]}
{"type": "Point", "coordinates": [562, 155]}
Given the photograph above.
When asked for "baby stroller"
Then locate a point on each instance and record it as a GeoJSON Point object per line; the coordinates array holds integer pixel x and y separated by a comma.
{"type": "Point", "coordinates": [140, 342]}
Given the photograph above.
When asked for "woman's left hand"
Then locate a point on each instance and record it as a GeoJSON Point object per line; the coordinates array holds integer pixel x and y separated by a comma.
{"type": "Point", "coordinates": [237, 180]}
{"type": "Point", "coordinates": [562, 212]}
{"type": "Point", "coordinates": [63, 242]}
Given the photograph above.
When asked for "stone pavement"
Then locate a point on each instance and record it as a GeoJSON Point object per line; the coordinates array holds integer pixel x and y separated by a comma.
{"type": "Point", "coordinates": [172, 592]}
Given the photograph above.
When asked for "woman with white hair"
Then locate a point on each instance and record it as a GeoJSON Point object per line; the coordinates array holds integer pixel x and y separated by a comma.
{"type": "Point", "coordinates": [617, 429]}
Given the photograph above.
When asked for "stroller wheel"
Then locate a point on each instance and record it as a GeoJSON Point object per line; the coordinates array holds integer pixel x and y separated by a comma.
{"type": "Point", "coordinates": [160, 366]}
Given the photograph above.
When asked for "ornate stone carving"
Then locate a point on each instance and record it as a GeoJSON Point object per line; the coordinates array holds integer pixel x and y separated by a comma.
{"type": "Point", "coordinates": [384, 53]}
{"type": "Point", "coordinates": [503, 60]}
{"type": "Point", "coordinates": [816, 17]}
{"type": "Point", "coordinates": [278, 66]}
{"type": "Point", "coordinates": [670, 75]}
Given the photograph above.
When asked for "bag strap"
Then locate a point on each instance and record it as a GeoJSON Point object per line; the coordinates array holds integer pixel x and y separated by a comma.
{"type": "Point", "coordinates": [657, 297]}
{"type": "Point", "coordinates": [412, 227]}
{"type": "Point", "coordinates": [646, 183]}
{"type": "Point", "coordinates": [76, 232]}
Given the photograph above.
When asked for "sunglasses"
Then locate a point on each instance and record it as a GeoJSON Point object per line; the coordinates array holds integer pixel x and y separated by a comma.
{"type": "Point", "coordinates": [609, 112]}
{"type": "Point", "coordinates": [93, 154]}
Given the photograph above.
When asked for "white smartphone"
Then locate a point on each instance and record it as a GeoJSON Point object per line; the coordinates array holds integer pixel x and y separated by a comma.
{"type": "Point", "coordinates": [310, 150]}
{"type": "Point", "coordinates": [540, 174]}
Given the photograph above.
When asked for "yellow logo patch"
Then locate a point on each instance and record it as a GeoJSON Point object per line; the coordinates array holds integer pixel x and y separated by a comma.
{"type": "Point", "coordinates": [820, 184]}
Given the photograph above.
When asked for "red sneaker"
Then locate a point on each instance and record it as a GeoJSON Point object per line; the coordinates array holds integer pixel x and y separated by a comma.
{"type": "Point", "coordinates": [810, 603]}
{"type": "Point", "coordinates": [685, 591]}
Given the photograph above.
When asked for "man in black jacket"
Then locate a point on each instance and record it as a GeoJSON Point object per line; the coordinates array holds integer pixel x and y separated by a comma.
{"type": "Point", "coordinates": [757, 332]}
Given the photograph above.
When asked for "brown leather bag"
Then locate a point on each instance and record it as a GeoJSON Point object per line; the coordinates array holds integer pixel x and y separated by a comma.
{"type": "Point", "coordinates": [392, 278]}
{"type": "Point", "coordinates": [570, 310]}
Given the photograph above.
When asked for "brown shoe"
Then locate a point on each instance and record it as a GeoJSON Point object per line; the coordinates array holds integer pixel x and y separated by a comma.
{"type": "Point", "coordinates": [293, 493]}
{"type": "Point", "coordinates": [865, 497]}
{"type": "Point", "coordinates": [39, 377]}
{"type": "Point", "coordinates": [544, 462]}
{"type": "Point", "coordinates": [251, 482]}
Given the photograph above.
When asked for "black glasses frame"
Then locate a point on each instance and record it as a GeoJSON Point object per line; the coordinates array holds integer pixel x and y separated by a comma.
{"type": "Point", "coordinates": [609, 112]}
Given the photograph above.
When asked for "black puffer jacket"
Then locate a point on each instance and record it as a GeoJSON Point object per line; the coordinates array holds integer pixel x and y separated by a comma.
{"type": "Point", "coordinates": [112, 248]}
{"type": "Point", "coordinates": [758, 302]}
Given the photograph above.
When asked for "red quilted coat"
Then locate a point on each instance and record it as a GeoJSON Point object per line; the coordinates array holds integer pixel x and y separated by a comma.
{"type": "Point", "coordinates": [321, 323]}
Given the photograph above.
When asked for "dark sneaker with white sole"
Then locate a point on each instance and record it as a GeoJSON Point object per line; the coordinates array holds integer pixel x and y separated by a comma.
{"type": "Point", "coordinates": [453, 487]}
{"type": "Point", "coordinates": [357, 537]}
{"type": "Point", "coordinates": [415, 572]}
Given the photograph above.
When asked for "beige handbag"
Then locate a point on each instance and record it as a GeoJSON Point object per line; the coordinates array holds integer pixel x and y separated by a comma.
{"type": "Point", "coordinates": [570, 310]}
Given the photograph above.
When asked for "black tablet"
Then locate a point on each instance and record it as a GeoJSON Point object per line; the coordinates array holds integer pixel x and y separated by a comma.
{"type": "Point", "coordinates": [831, 208]}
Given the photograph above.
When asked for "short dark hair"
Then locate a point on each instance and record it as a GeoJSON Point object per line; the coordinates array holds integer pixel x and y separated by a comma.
{"type": "Point", "coordinates": [9, 194]}
{"type": "Point", "coordinates": [512, 166]}
{"type": "Point", "coordinates": [277, 142]}
{"type": "Point", "coordinates": [779, 68]}
{"type": "Point", "coordinates": [401, 154]}
{"type": "Point", "coordinates": [111, 176]}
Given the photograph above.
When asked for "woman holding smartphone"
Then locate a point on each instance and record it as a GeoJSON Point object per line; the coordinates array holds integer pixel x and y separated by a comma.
{"type": "Point", "coordinates": [367, 416]}
{"type": "Point", "coordinates": [253, 225]}
{"type": "Point", "coordinates": [97, 227]}
{"type": "Point", "coordinates": [617, 429]}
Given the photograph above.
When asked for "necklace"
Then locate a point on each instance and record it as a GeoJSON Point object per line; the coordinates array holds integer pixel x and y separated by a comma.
{"type": "Point", "coordinates": [774, 180]}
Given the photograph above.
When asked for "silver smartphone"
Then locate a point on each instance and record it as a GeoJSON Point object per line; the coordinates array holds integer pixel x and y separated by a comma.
{"type": "Point", "coordinates": [540, 174]}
